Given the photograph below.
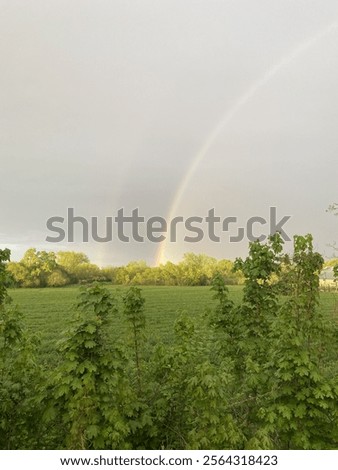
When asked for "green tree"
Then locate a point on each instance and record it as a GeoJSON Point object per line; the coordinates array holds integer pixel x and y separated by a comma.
{"type": "Point", "coordinates": [34, 268]}
{"type": "Point", "coordinates": [19, 374]}
{"type": "Point", "coordinates": [58, 278]}
{"type": "Point", "coordinates": [89, 397]}
{"type": "Point", "coordinates": [302, 410]}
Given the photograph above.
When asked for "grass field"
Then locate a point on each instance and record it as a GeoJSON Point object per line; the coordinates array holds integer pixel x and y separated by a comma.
{"type": "Point", "coordinates": [49, 311]}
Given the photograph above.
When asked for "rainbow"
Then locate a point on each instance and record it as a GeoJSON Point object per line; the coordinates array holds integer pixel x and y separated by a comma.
{"type": "Point", "coordinates": [230, 114]}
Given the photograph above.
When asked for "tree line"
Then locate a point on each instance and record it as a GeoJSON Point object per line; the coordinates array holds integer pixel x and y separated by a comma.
{"type": "Point", "coordinates": [49, 269]}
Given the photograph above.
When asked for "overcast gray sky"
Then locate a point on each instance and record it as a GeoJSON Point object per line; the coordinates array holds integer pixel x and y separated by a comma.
{"type": "Point", "coordinates": [108, 103]}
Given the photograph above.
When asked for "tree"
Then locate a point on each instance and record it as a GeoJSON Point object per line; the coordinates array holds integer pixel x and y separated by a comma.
{"type": "Point", "coordinates": [72, 263]}
{"type": "Point", "coordinates": [58, 278]}
{"type": "Point", "coordinates": [301, 409]}
{"type": "Point", "coordinates": [34, 268]}
{"type": "Point", "coordinates": [70, 260]}
{"type": "Point", "coordinates": [19, 373]}
{"type": "Point", "coordinates": [89, 394]}
{"type": "Point", "coordinates": [4, 258]}
{"type": "Point", "coordinates": [281, 349]}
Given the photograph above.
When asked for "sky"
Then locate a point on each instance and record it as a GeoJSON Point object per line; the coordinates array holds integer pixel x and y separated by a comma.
{"type": "Point", "coordinates": [171, 107]}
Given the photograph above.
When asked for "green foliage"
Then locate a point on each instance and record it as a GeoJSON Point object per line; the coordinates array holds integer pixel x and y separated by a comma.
{"type": "Point", "coordinates": [78, 269]}
{"type": "Point", "coordinates": [335, 271]}
{"type": "Point", "coordinates": [34, 268]}
{"type": "Point", "coordinates": [134, 312]}
{"type": "Point", "coordinates": [4, 258]}
{"type": "Point", "coordinates": [58, 278]}
{"type": "Point", "coordinates": [191, 399]}
{"type": "Point", "coordinates": [20, 378]}
{"type": "Point", "coordinates": [89, 393]}
{"type": "Point", "coordinates": [41, 269]}
{"type": "Point", "coordinates": [303, 405]}
{"type": "Point", "coordinates": [19, 374]}
{"type": "Point", "coordinates": [259, 374]}
{"type": "Point", "coordinates": [281, 349]}
{"type": "Point", "coordinates": [71, 260]}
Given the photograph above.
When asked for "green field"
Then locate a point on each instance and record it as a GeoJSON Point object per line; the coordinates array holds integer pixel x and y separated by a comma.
{"type": "Point", "coordinates": [49, 311]}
